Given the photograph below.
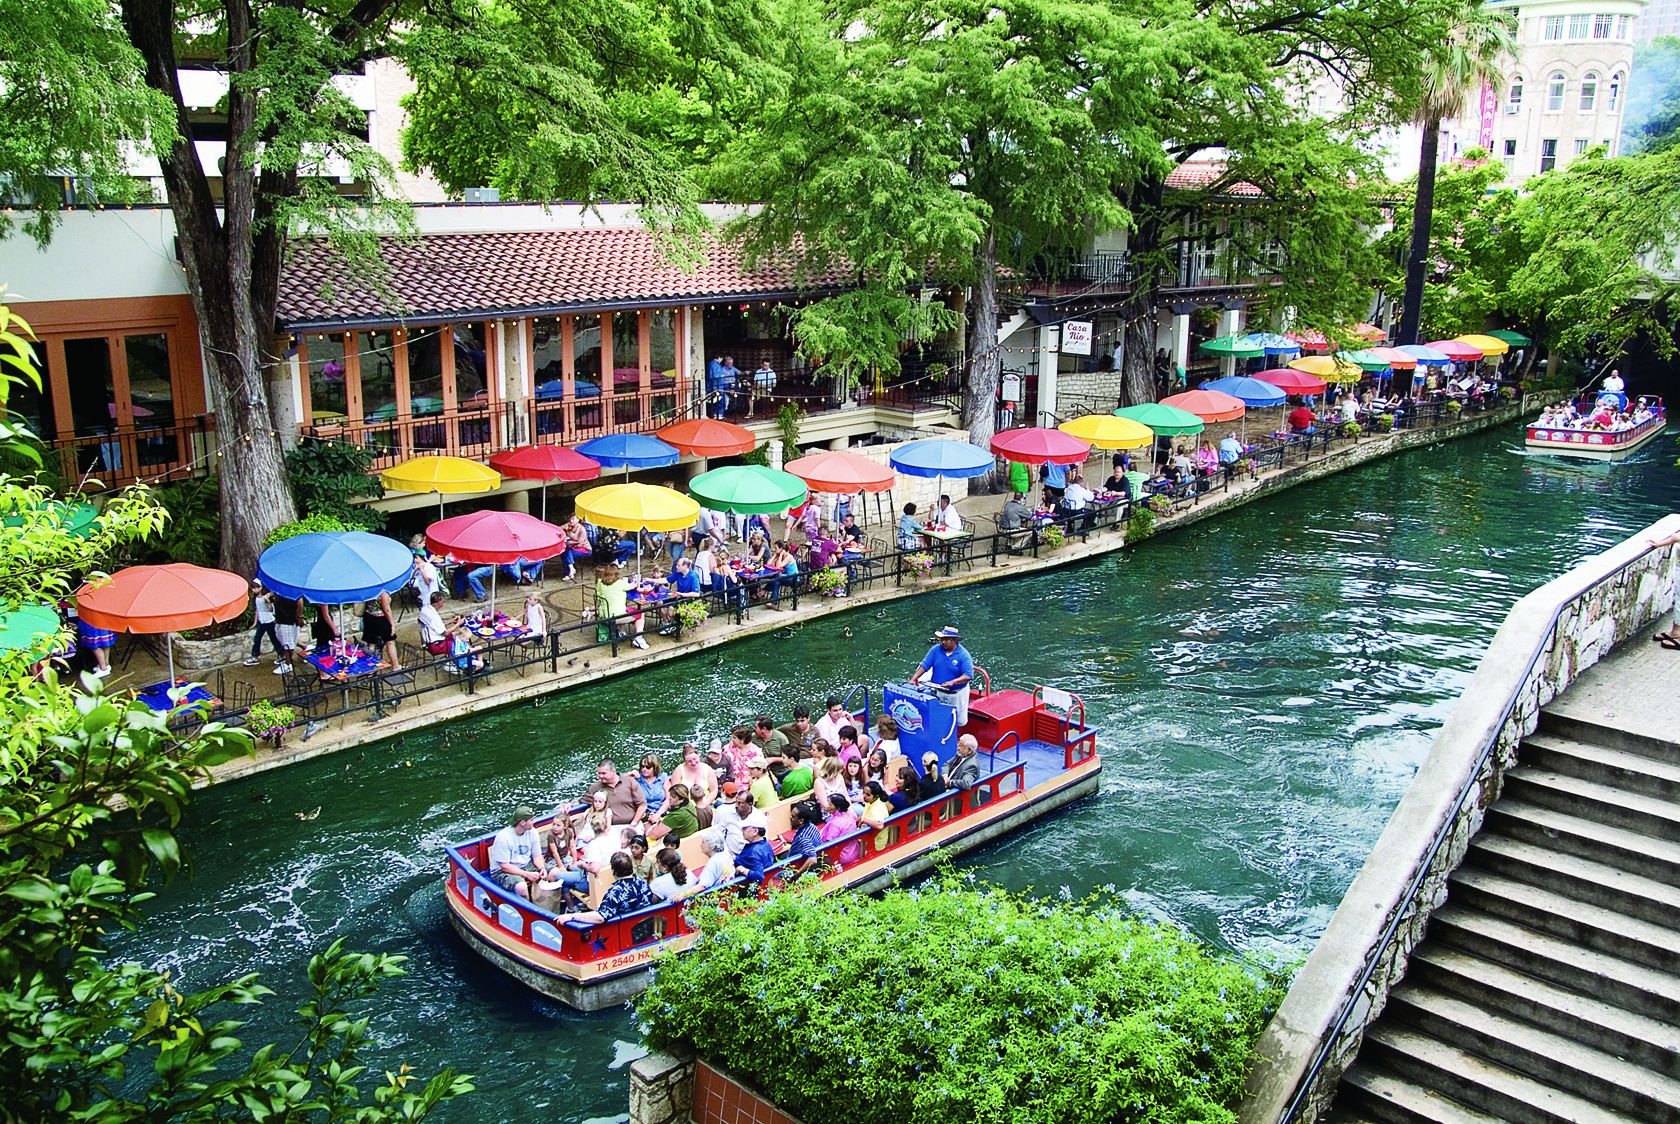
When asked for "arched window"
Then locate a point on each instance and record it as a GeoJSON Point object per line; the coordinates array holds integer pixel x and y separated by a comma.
{"type": "Point", "coordinates": [1615, 93]}
{"type": "Point", "coordinates": [1589, 91]}
{"type": "Point", "coordinates": [1554, 92]}
{"type": "Point", "coordinates": [1513, 97]}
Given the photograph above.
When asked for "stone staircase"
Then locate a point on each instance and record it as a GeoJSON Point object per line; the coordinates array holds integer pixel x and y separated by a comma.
{"type": "Point", "coordinates": [1548, 986]}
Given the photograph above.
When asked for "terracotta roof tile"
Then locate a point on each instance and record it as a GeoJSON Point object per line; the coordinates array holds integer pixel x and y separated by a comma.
{"type": "Point", "coordinates": [438, 276]}
{"type": "Point", "coordinates": [1190, 177]}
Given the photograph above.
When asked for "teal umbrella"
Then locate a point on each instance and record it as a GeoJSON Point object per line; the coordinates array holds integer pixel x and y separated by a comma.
{"type": "Point", "coordinates": [1240, 346]}
{"type": "Point", "coordinates": [31, 628]}
{"type": "Point", "coordinates": [1364, 360]}
{"type": "Point", "coordinates": [1166, 421]}
{"type": "Point", "coordinates": [1515, 339]}
{"type": "Point", "coordinates": [748, 489]}
{"type": "Point", "coordinates": [74, 517]}
{"type": "Point", "coordinates": [422, 407]}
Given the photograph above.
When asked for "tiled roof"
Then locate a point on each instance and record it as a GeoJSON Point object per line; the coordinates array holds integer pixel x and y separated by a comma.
{"type": "Point", "coordinates": [440, 276]}
{"type": "Point", "coordinates": [1191, 177]}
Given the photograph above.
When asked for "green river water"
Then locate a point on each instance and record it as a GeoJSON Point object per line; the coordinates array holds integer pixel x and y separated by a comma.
{"type": "Point", "coordinates": [1266, 684]}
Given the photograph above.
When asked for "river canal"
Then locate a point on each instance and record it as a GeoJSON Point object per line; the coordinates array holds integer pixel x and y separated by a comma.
{"type": "Point", "coordinates": [1266, 683]}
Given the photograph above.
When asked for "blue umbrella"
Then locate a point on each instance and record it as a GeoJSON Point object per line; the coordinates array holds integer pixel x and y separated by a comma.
{"type": "Point", "coordinates": [936, 457]}
{"type": "Point", "coordinates": [336, 567]}
{"type": "Point", "coordinates": [1253, 392]}
{"type": "Point", "coordinates": [1273, 343]}
{"type": "Point", "coordinates": [629, 450]}
{"type": "Point", "coordinates": [1426, 354]}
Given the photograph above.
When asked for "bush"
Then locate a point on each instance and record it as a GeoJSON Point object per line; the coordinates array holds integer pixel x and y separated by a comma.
{"type": "Point", "coordinates": [693, 614]}
{"type": "Point", "coordinates": [920, 563]}
{"type": "Point", "coordinates": [309, 524]}
{"type": "Point", "coordinates": [1051, 536]}
{"type": "Point", "coordinates": [827, 581]}
{"type": "Point", "coordinates": [759, 455]}
{"type": "Point", "coordinates": [1455, 407]}
{"type": "Point", "coordinates": [1351, 429]}
{"type": "Point", "coordinates": [1006, 1009]}
{"type": "Point", "coordinates": [1507, 392]}
{"type": "Point", "coordinates": [1140, 525]}
{"type": "Point", "coordinates": [193, 531]}
{"type": "Point", "coordinates": [327, 475]}
{"type": "Point", "coordinates": [1384, 423]}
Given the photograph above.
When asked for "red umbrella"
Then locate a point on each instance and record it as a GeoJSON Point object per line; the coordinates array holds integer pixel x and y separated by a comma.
{"type": "Point", "coordinates": [1291, 381]}
{"type": "Point", "coordinates": [153, 599]}
{"type": "Point", "coordinates": [1456, 350]}
{"type": "Point", "coordinates": [547, 463]}
{"type": "Point", "coordinates": [708, 437]}
{"type": "Point", "coordinates": [841, 473]}
{"type": "Point", "coordinates": [495, 538]}
{"type": "Point", "coordinates": [1209, 405]}
{"type": "Point", "coordinates": [1310, 341]}
{"type": "Point", "coordinates": [1036, 445]}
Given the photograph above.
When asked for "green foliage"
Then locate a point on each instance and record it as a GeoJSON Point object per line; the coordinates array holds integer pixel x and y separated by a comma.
{"type": "Point", "coordinates": [310, 525]}
{"type": "Point", "coordinates": [1651, 120]}
{"type": "Point", "coordinates": [827, 580]}
{"type": "Point", "coordinates": [1140, 524]}
{"type": "Point", "coordinates": [1012, 1010]}
{"type": "Point", "coordinates": [919, 563]}
{"type": "Point", "coordinates": [693, 614]}
{"type": "Point", "coordinates": [759, 455]}
{"type": "Point", "coordinates": [1384, 423]}
{"type": "Point", "coordinates": [266, 719]}
{"type": "Point", "coordinates": [192, 531]}
{"type": "Point", "coordinates": [1455, 407]}
{"type": "Point", "coordinates": [326, 476]}
{"type": "Point", "coordinates": [17, 368]}
{"type": "Point", "coordinates": [1051, 537]}
{"type": "Point", "coordinates": [1351, 429]}
{"type": "Point", "coordinates": [788, 420]}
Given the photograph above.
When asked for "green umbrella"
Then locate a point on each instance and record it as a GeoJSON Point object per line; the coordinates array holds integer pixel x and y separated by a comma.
{"type": "Point", "coordinates": [1364, 360]}
{"type": "Point", "coordinates": [74, 517]}
{"type": "Point", "coordinates": [1515, 339]}
{"type": "Point", "coordinates": [1166, 421]}
{"type": "Point", "coordinates": [31, 628]}
{"type": "Point", "coordinates": [420, 407]}
{"type": "Point", "coordinates": [748, 489]}
{"type": "Point", "coordinates": [1239, 346]}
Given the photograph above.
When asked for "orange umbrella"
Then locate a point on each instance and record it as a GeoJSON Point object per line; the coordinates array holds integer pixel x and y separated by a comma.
{"type": "Point", "coordinates": [1209, 405]}
{"type": "Point", "coordinates": [841, 473]}
{"type": "Point", "coordinates": [708, 437]}
{"type": "Point", "coordinates": [1399, 360]}
{"type": "Point", "coordinates": [1367, 331]}
{"type": "Point", "coordinates": [153, 599]}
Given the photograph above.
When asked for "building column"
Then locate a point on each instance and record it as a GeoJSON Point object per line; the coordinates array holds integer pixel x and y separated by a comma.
{"type": "Point", "coordinates": [1230, 323]}
{"type": "Point", "coordinates": [1181, 345]}
{"type": "Point", "coordinates": [518, 500]}
{"type": "Point", "coordinates": [285, 395]}
{"type": "Point", "coordinates": [1048, 358]}
{"type": "Point", "coordinates": [512, 383]}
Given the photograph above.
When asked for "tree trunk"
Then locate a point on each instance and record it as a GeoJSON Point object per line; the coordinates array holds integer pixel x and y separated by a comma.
{"type": "Point", "coordinates": [1141, 313]}
{"type": "Point", "coordinates": [1137, 375]}
{"type": "Point", "coordinates": [1417, 258]}
{"type": "Point", "coordinates": [985, 364]}
{"type": "Point", "coordinates": [232, 274]}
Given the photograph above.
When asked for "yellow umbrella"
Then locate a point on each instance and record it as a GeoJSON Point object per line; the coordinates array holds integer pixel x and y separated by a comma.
{"type": "Point", "coordinates": [1488, 345]}
{"type": "Point", "coordinates": [1106, 431]}
{"type": "Point", "coordinates": [1328, 368]}
{"type": "Point", "coordinates": [637, 507]}
{"type": "Point", "coordinates": [443, 475]}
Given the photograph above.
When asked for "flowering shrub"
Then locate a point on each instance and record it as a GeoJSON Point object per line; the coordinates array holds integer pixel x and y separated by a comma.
{"type": "Point", "coordinates": [1051, 536]}
{"type": "Point", "coordinates": [919, 563]}
{"type": "Point", "coordinates": [1384, 423]}
{"type": "Point", "coordinates": [1160, 504]}
{"type": "Point", "coordinates": [828, 581]}
{"type": "Point", "coordinates": [954, 1003]}
{"type": "Point", "coordinates": [267, 720]}
{"type": "Point", "coordinates": [1351, 429]}
{"type": "Point", "coordinates": [693, 614]}
{"type": "Point", "coordinates": [1507, 392]}
{"type": "Point", "coordinates": [1455, 407]}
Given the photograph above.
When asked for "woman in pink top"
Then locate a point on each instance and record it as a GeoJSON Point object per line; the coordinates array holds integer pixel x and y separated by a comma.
{"type": "Point", "coordinates": [842, 822]}
{"type": "Point", "coordinates": [700, 778]}
{"type": "Point", "coordinates": [577, 545]}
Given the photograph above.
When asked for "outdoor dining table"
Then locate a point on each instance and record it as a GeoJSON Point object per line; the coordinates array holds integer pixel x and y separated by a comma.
{"type": "Point", "coordinates": [156, 696]}
{"type": "Point", "coordinates": [346, 666]}
{"type": "Point", "coordinates": [945, 537]}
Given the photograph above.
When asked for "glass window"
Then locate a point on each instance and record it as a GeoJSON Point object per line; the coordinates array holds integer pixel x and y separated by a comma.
{"type": "Point", "coordinates": [1513, 97]}
{"type": "Point", "coordinates": [1615, 93]}
{"type": "Point", "coordinates": [1551, 28]}
{"type": "Point", "coordinates": [627, 347]}
{"type": "Point", "coordinates": [1622, 26]}
{"type": "Point", "coordinates": [1578, 26]}
{"type": "Point", "coordinates": [1510, 148]}
{"type": "Point", "coordinates": [662, 345]}
{"type": "Point", "coordinates": [586, 352]}
{"type": "Point", "coordinates": [546, 362]}
{"type": "Point", "coordinates": [327, 374]}
{"type": "Point", "coordinates": [1601, 27]}
{"type": "Point", "coordinates": [87, 375]}
{"type": "Point", "coordinates": [1580, 145]}
{"type": "Point", "coordinates": [379, 375]}
{"type": "Point", "coordinates": [1554, 92]}
{"type": "Point", "coordinates": [1548, 155]}
{"type": "Point", "coordinates": [149, 387]}
{"type": "Point", "coordinates": [425, 371]}
{"type": "Point", "coordinates": [472, 383]}
{"type": "Point", "coordinates": [1589, 92]}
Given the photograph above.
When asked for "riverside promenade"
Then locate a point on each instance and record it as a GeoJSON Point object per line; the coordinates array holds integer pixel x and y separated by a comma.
{"type": "Point", "coordinates": [362, 723]}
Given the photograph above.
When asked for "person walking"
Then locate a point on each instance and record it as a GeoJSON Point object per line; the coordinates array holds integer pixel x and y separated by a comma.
{"type": "Point", "coordinates": [262, 609]}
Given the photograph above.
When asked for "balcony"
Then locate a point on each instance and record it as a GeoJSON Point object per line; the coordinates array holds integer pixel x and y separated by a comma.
{"type": "Point", "coordinates": [148, 453]}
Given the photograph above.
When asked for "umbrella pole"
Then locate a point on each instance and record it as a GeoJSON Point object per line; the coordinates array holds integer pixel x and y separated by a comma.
{"type": "Point", "coordinates": [545, 501]}
{"type": "Point", "coordinates": [493, 573]}
{"type": "Point", "coordinates": [169, 649]}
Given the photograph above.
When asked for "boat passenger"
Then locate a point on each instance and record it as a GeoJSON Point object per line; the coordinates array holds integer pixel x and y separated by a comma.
{"type": "Point", "coordinates": [932, 783]}
{"type": "Point", "coordinates": [625, 797]}
{"type": "Point", "coordinates": [720, 865]}
{"type": "Point", "coordinates": [799, 779]}
{"type": "Point", "coordinates": [878, 810]}
{"type": "Point", "coordinates": [739, 750]}
{"type": "Point", "coordinates": [851, 775]}
{"type": "Point", "coordinates": [762, 789]}
{"type": "Point", "coordinates": [733, 816]}
{"type": "Point", "coordinates": [721, 768]}
{"type": "Point", "coordinates": [875, 766]}
{"type": "Point", "coordinates": [517, 862]}
{"type": "Point", "coordinates": [653, 780]}
{"type": "Point", "coordinates": [770, 741]}
{"type": "Point", "coordinates": [564, 864]}
{"type": "Point", "coordinates": [852, 745]}
{"type": "Point", "coordinates": [964, 769]}
{"type": "Point", "coordinates": [640, 858]}
{"type": "Point", "coordinates": [671, 883]}
{"type": "Point", "coordinates": [907, 794]}
{"type": "Point", "coordinates": [628, 893]}
{"type": "Point", "coordinates": [805, 851]}
{"type": "Point", "coordinates": [840, 822]}
{"type": "Point", "coordinates": [800, 733]}
{"type": "Point", "coordinates": [909, 529]}
{"type": "Point", "coordinates": [699, 778]}
{"type": "Point", "coordinates": [677, 821]}
{"type": "Point", "coordinates": [755, 857]}
{"type": "Point", "coordinates": [829, 781]}
{"type": "Point", "coordinates": [949, 667]}
{"type": "Point", "coordinates": [886, 736]}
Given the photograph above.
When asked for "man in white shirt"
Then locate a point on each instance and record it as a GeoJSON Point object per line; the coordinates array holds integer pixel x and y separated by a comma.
{"type": "Point", "coordinates": [945, 517]}
{"type": "Point", "coordinates": [830, 724]}
{"type": "Point", "coordinates": [433, 636]}
{"type": "Point", "coordinates": [426, 580]}
{"type": "Point", "coordinates": [1076, 495]}
{"type": "Point", "coordinates": [730, 818]}
{"type": "Point", "coordinates": [1613, 383]}
{"type": "Point", "coordinates": [516, 855]}
{"type": "Point", "coordinates": [1349, 408]}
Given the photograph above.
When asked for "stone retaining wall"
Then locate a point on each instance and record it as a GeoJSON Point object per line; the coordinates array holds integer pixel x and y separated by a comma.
{"type": "Point", "coordinates": [1547, 640]}
{"type": "Point", "coordinates": [680, 1090]}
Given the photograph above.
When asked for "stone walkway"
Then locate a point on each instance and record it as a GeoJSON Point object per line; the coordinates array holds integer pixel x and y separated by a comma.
{"type": "Point", "coordinates": [1633, 689]}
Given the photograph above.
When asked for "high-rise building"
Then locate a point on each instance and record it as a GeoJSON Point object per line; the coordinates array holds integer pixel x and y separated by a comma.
{"type": "Point", "coordinates": [1661, 17]}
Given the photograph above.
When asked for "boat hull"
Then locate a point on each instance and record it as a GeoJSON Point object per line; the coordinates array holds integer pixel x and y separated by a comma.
{"type": "Point", "coordinates": [1590, 445]}
{"type": "Point", "coordinates": [595, 985]}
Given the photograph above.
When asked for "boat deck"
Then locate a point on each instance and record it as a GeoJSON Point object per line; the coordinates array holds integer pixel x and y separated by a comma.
{"type": "Point", "coordinates": [1043, 760]}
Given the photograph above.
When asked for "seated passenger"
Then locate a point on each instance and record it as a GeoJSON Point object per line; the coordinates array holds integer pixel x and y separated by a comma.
{"type": "Point", "coordinates": [908, 792]}
{"type": "Point", "coordinates": [653, 781]}
{"type": "Point", "coordinates": [886, 736]}
{"type": "Point", "coordinates": [801, 733]}
{"type": "Point", "coordinates": [720, 865]}
{"type": "Point", "coordinates": [932, 784]}
{"type": "Point", "coordinates": [875, 766]}
{"type": "Point", "coordinates": [964, 769]}
{"type": "Point", "coordinates": [762, 790]}
{"type": "Point", "coordinates": [637, 847]}
{"type": "Point", "coordinates": [806, 850]}
{"type": "Point", "coordinates": [731, 818]}
{"type": "Point", "coordinates": [851, 775]}
{"type": "Point", "coordinates": [672, 882]}
{"type": "Point", "coordinates": [799, 779]}
{"type": "Point", "coordinates": [628, 893]}
{"type": "Point", "coordinates": [676, 821]}
{"type": "Point", "coordinates": [564, 863]}
{"type": "Point", "coordinates": [879, 808]}
{"type": "Point", "coordinates": [755, 857]}
{"type": "Point", "coordinates": [851, 744]}
{"type": "Point", "coordinates": [516, 856]}
{"type": "Point", "coordinates": [841, 822]}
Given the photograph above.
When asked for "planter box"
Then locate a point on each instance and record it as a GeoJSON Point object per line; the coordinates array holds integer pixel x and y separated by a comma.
{"type": "Point", "coordinates": [202, 655]}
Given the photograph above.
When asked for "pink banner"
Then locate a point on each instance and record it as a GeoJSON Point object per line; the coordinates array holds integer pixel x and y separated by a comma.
{"type": "Point", "coordinates": [1490, 109]}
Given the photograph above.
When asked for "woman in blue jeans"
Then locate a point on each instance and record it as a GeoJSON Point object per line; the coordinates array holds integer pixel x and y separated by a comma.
{"type": "Point", "coordinates": [786, 569]}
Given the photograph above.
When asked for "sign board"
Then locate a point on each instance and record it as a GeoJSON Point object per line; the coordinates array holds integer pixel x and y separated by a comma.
{"type": "Point", "coordinates": [1076, 337]}
{"type": "Point", "coordinates": [1012, 387]}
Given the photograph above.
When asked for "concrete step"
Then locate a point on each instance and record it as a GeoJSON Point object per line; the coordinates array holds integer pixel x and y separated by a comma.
{"type": "Point", "coordinates": [1369, 1093]}
{"type": "Point", "coordinates": [1619, 768]}
{"type": "Point", "coordinates": [1630, 850]}
{"type": "Point", "coordinates": [1654, 1043]}
{"type": "Point", "coordinates": [1476, 1082]}
{"type": "Point", "coordinates": [1552, 1059]}
{"type": "Point", "coordinates": [1579, 878]}
{"type": "Point", "coordinates": [1562, 916]}
{"type": "Point", "coordinates": [1633, 987]}
{"type": "Point", "coordinates": [1604, 803]}
{"type": "Point", "coordinates": [1584, 730]}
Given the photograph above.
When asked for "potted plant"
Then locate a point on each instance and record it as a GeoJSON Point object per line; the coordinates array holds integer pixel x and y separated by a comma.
{"type": "Point", "coordinates": [1051, 536]}
{"type": "Point", "coordinates": [270, 721]}
{"type": "Point", "coordinates": [828, 582]}
{"type": "Point", "coordinates": [1507, 392]}
{"type": "Point", "coordinates": [693, 614]}
{"type": "Point", "coordinates": [1351, 430]}
{"type": "Point", "coordinates": [1384, 423]}
{"type": "Point", "coordinates": [920, 564]}
{"type": "Point", "coordinates": [1160, 504]}
{"type": "Point", "coordinates": [1455, 407]}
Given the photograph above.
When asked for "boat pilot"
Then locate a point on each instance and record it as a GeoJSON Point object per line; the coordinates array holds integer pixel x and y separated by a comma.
{"type": "Point", "coordinates": [949, 668]}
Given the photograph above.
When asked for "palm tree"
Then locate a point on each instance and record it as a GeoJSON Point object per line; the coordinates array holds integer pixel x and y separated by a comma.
{"type": "Point", "coordinates": [1471, 57]}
